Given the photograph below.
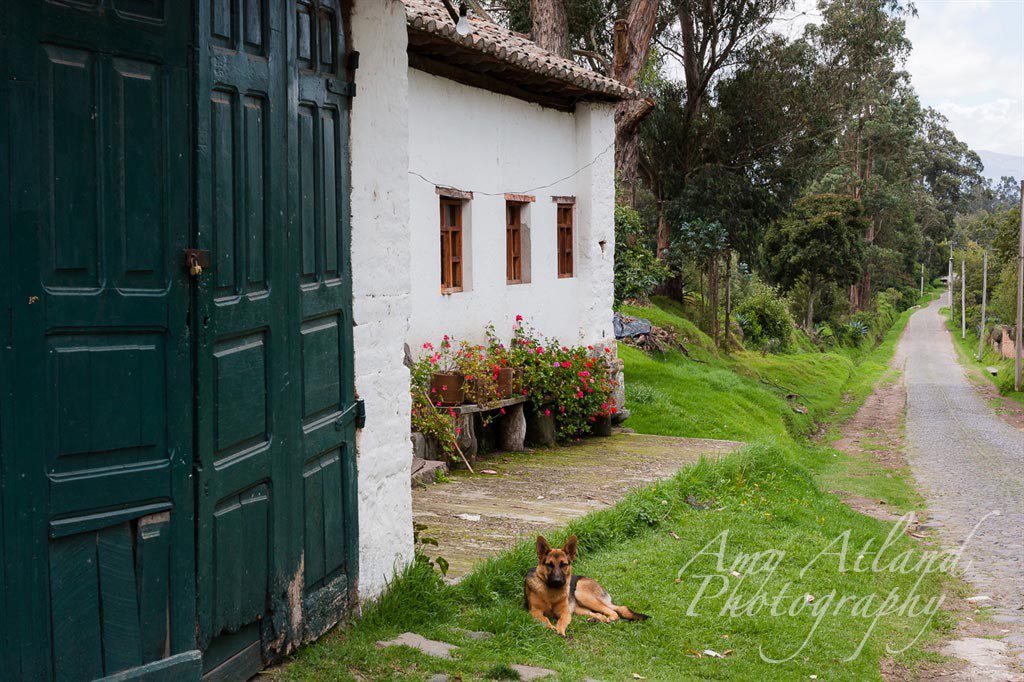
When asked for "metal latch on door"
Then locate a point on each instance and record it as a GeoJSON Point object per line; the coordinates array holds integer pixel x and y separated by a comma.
{"type": "Point", "coordinates": [196, 260]}
{"type": "Point", "coordinates": [356, 412]}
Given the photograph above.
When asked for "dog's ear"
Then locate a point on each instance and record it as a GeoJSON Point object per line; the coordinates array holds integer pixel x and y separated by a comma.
{"type": "Point", "coordinates": [570, 548]}
{"type": "Point", "coordinates": [542, 548]}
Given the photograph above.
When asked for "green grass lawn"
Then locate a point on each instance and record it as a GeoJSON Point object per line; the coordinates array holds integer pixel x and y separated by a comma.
{"type": "Point", "coordinates": [653, 549]}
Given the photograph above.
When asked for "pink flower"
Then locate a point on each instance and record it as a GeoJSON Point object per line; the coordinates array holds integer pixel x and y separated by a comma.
{"type": "Point", "coordinates": [566, 364]}
{"type": "Point", "coordinates": [519, 318]}
{"type": "Point", "coordinates": [428, 346]}
{"type": "Point", "coordinates": [557, 364]}
{"type": "Point", "coordinates": [547, 413]}
{"type": "Point", "coordinates": [579, 394]}
{"type": "Point", "coordinates": [458, 431]}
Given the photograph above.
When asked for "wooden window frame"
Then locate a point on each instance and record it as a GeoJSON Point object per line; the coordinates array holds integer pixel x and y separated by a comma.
{"type": "Point", "coordinates": [514, 242]}
{"type": "Point", "coordinates": [565, 235]}
{"type": "Point", "coordinates": [452, 270]}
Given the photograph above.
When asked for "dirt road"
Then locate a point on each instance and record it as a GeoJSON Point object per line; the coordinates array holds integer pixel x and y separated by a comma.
{"type": "Point", "coordinates": [970, 466]}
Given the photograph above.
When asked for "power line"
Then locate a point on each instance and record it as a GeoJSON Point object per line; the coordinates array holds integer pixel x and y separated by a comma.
{"type": "Point", "coordinates": [523, 191]}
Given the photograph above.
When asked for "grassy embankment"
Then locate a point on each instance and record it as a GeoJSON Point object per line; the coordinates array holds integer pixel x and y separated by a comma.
{"type": "Point", "coordinates": [769, 497]}
{"type": "Point", "coordinates": [967, 351]}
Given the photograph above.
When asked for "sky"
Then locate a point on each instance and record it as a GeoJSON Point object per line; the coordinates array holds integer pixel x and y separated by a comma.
{"type": "Point", "coordinates": [967, 62]}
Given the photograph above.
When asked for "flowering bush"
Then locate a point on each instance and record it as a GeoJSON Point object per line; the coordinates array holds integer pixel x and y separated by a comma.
{"type": "Point", "coordinates": [480, 372]}
{"type": "Point", "coordinates": [572, 383]}
{"type": "Point", "coordinates": [433, 421]}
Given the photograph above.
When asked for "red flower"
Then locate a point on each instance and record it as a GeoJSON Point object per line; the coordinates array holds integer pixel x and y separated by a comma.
{"type": "Point", "coordinates": [519, 318]}
{"type": "Point", "coordinates": [547, 413]}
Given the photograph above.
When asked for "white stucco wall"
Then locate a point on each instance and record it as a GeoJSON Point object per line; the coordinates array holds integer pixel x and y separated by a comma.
{"type": "Point", "coordinates": [472, 139]}
{"type": "Point", "coordinates": [381, 285]}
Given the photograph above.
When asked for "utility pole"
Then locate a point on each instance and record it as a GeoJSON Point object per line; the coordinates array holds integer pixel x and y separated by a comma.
{"type": "Point", "coordinates": [922, 278]}
{"type": "Point", "coordinates": [963, 299]}
{"type": "Point", "coordinates": [950, 282]}
{"type": "Point", "coordinates": [984, 300]}
{"type": "Point", "coordinates": [1020, 299]}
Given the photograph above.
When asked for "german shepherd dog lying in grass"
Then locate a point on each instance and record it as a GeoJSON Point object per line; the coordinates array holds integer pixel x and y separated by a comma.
{"type": "Point", "coordinates": [552, 591]}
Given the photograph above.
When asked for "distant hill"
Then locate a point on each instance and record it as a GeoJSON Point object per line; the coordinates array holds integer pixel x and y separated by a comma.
{"type": "Point", "coordinates": [998, 165]}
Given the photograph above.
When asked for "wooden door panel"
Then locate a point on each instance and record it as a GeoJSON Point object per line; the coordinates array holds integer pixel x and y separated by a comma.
{"type": "Point", "coordinates": [110, 596]}
{"type": "Point", "coordinates": [327, 462]}
{"type": "Point", "coordinates": [99, 526]}
{"type": "Point", "coordinates": [244, 535]}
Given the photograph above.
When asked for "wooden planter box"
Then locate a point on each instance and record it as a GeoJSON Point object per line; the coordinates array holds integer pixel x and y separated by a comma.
{"type": "Point", "coordinates": [448, 389]}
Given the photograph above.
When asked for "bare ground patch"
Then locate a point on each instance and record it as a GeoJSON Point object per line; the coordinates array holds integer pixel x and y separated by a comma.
{"type": "Point", "coordinates": [476, 516]}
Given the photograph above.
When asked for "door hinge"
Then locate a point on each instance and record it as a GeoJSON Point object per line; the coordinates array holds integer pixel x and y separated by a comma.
{"type": "Point", "coordinates": [360, 414]}
{"type": "Point", "coordinates": [354, 413]}
{"type": "Point", "coordinates": [343, 88]}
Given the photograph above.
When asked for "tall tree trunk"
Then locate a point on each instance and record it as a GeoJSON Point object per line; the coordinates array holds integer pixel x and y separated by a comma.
{"type": "Point", "coordinates": [664, 238]}
{"type": "Point", "coordinates": [728, 297]}
{"type": "Point", "coordinates": [810, 306]}
{"type": "Point", "coordinates": [633, 37]}
{"type": "Point", "coordinates": [713, 303]}
{"type": "Point", "coordinates": [551, 26]}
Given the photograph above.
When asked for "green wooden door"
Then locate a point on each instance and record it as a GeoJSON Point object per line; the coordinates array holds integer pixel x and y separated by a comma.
{"type": "Point", "coordinates": [97, 438]}
{"type": "Point", "coordinates": [326, 457]}
{"type": "Point", "coordinates": [274, 361]}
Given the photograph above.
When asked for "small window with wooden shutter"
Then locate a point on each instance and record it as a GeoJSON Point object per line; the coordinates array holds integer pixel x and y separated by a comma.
{"type": "Point", "coordinates": [565, 240]}
{"type": "Point", "coordinates": [514, 242]}
{"type": "Point", "coordinates": [451, 246]}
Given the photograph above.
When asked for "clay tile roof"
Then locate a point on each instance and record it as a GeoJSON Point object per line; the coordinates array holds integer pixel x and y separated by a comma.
{"type": "Point", "coordinates": [497, 42]}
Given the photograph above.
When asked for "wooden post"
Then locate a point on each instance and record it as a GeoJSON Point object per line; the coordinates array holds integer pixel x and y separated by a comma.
{"type": "Point", "coordinates": [984, 300]}
{"type": "Point", "coordinates": [963, 299]}
{"type": "Point", "coordinates": [1020, 299]}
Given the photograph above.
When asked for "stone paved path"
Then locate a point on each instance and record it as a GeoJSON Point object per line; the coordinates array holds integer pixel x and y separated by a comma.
{"type": "Point", "coordinates": [477, 516]}
{"type": "Point", "coordinates": [969, 463]}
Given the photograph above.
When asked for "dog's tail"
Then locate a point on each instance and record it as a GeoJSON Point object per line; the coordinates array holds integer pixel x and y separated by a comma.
{"type": "Point", "coordinates": [629, 614]}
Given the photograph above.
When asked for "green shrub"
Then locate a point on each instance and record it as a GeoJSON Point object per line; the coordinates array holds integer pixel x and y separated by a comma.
{"type": "Point", "coordinates": [765, 319]}
{"type": "Point", "coordinates": [638, 271]}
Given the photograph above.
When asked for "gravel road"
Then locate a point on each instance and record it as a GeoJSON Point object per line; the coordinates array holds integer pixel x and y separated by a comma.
{"type": "Point", "coordinates": [969, 464]}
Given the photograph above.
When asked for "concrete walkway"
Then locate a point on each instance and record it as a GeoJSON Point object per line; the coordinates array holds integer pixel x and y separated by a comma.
{"type": "Point", "coordinates": [477, 516]}
{"type": "Point", "coordinates": [969, 463]}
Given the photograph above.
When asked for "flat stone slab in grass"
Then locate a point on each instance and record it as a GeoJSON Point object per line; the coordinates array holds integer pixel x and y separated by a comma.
{"type": "Point", "coordinates": [428, 646]}
{"type": "Point", "coordinates": [532, 672]}
{"type": "Point", "coordinates": [535, 492]}
{"type": "Point", "coordinates": [987, 657]}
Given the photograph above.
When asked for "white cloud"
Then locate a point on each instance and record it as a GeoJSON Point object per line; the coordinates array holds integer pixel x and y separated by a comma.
{"type": "Point", "coordinates": [968, 62]}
